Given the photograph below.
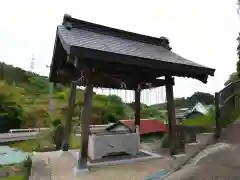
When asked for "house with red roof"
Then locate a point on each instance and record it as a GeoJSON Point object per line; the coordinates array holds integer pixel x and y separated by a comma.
{"type": "Point", "coordinates": [147, 126]}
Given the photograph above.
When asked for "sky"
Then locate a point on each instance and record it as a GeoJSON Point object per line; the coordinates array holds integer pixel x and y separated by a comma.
{"type": "Point", "coordinates": [202, 31]}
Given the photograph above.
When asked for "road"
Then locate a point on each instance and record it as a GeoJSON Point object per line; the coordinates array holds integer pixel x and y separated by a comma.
{"type": "Point", "coordinates": [17, 136]}
{"type": "Point", "coordinates": [219, 164]}
{"type": "Point", "coordinates": [8, 137]}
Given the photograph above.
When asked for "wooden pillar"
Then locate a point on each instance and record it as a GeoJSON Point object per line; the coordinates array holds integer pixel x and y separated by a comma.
{"type": "Point", "coordinates": [171, 112]}
{"type": "Point", "coordinates": [137, 108]}
{"type": "Point", "coordinates": [217, 116]}
{"type": "Point", "coordinates": [68, 124]}
{"type": "Point", "coordinates": [85, 122]}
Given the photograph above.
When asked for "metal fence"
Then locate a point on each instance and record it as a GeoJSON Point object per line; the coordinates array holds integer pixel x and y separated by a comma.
{"type": "Point", "coordinates": [227, 106]}
{"type": "Point", "coordinates": [227, 110]}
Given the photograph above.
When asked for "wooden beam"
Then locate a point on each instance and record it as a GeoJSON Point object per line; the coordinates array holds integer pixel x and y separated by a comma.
{"type": "Point", "coordinates": [171, 113]}
{"type": "Point", "coordinates": [68, 124]}
{"type": "Point", "coordinates": [85, 121]}
{"type": "Point", "coordinates": [113, 81]}
{"type": "Point", "coordinates": [116, 68]}
{"type": "Point", "coordinates": [153, 83]}
{"type": "Point", "coordinates": [137, 107]}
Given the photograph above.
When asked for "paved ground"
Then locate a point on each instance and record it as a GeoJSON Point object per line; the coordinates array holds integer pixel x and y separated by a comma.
{"type": "Point", "coordinates": [218, 162]}
{"type": "Point", "coordinates": [61, 168]}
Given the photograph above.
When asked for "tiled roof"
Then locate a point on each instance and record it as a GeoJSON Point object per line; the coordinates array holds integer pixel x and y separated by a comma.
{"type": "Point", "coordinates": [103, 42]}
{"type": "Point", "coordinates": [118, 48]}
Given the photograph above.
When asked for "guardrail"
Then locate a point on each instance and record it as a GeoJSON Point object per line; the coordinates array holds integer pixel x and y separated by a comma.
{"type": "Point", "coordinates": [227, 106]}
{"type": "Point", "coordinates": [9, 137]}
{"type": "Point", "coordinates": [31, 133]}
{"type": "Point", "coordinates": [42, 129]}
{"type": "Point", "coordinates": [27, 130]}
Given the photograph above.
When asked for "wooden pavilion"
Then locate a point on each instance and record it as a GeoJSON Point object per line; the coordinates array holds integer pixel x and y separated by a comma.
{"type": "Point", "coordinates": [99, 56]}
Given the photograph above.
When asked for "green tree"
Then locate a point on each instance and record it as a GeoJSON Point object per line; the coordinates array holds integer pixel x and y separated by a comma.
{"type": "Point", "coordinates": [236, 75]}
{"type": "Point", "coordinates": [27, 95]}
{"type": "Point", "coordinates": [11, 113]}
{"type": "Point", "coordinates": [238, 53]}
{"type": "Point", "coordinates": [110, 107]}
{"type": "Point", "coordinates": [238, 47]}
{"type": "Point", "coordinates": [232, 78]}
{"type": "Point", "coordinates": [202, 97]}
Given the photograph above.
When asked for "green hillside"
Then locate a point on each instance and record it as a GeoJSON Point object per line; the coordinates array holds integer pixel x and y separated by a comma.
{"type": "Point", "coordinates": [25, 102]}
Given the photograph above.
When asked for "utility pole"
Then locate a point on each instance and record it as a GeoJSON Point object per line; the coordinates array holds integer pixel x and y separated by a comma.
{"type": "Point", "coordinates": [1, 70]}
{"type": "Point", "coordinates": [51, 93]}
{"type": "Point", "coordinates": [238, 9]}
{"type": "Point", "coordinates": [32, 64]}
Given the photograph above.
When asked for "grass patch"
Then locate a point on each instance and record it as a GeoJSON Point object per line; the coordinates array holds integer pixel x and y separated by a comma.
{"type": "Point", "coordinates": [75, 141]}
{"type": "Point", "coordinates": [201, 121]}
{"type": "Point", "coordinates": [43, 143]}
{"type": "Point", "coordinates": [26, 146]}
{"type": "Point", "coordinates": [151, 138]}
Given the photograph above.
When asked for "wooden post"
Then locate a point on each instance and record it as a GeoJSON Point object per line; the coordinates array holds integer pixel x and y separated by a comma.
{"type": "Point", "coordinates": [68, 125]}
{"type": "Point", "coordinates": [137, 108]}
{"type": "Point", "coordinates": [233, 96]}
{"type": "Point", "coordinates": [85, 122]}
{"type": "Point", "coordinates": [171, 113]}
{"type": "Point", "coordinates": [217, 116]}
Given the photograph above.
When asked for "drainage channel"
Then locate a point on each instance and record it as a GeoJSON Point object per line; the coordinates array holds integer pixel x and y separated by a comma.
{"type": "Point", "coordinates": [157, 175]}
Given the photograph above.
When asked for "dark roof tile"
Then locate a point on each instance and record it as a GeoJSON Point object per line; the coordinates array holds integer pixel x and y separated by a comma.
{"type": "Point", "coordinates": [103, 42]}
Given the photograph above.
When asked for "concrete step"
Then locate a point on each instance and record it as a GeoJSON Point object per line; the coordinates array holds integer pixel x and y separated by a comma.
{"type": "Point", "coordinates": [205, 138]}
{"type": "Point", "coordinates": [193, 148]}
{"type": "Point", "coordinates": [178, 160]}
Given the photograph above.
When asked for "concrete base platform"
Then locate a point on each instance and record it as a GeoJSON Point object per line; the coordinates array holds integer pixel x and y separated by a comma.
{"type": "Point", "coordinates": [80, 172]}
{"type": "Point", "coordinates": [149, 156]}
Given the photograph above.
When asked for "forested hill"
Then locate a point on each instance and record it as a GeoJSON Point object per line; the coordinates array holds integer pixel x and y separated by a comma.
{"type": "Point", "coordinates": [31, 82]}
{"type": "Point", "coordinates": [24, 96]}
{"type": "Point", "coordinates": [204, 98]}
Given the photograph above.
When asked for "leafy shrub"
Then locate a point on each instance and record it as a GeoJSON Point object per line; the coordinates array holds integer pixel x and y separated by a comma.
{"type": "Point", "coordinates": [26, 146]}
{"type": "Point", "coordinates": [27, 165]}
{"type": "Point", "coordinates": [165, 141]}
{"type": "Point", "coordinates": [202, 121]}
{"type": "Point", "coordinates": [61, 95]}
{"type": "Point", "coordinates": [28, 162]}
{"type": "Point", "coordinates": [56, 122]}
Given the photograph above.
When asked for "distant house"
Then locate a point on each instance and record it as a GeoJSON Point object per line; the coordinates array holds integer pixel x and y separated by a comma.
{"type": "Point", "coordinates": [147, 126]}
{"type": "Point", "coordinates": [197, 110]}
{"type": "Point", "coordinates": [119, 127]}
{"type": "Point", "coordinates": [199, 107]}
